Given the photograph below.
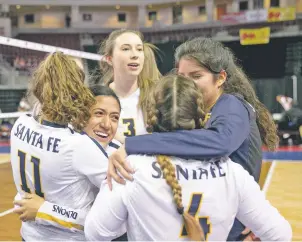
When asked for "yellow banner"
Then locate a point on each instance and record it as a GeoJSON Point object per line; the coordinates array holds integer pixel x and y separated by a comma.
{"type": "Point", "coordinates": [254, 36]}
{"type": "Point", "coordinates": [281, 14]}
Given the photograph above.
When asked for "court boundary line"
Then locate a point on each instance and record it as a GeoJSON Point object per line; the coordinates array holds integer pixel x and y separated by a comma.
{"type": "Point", "coordinates": [9, 211]}
{"type": "Point", "coordinates": [269, 176]}
{"type": "Point", "coordinates": [6, 212]}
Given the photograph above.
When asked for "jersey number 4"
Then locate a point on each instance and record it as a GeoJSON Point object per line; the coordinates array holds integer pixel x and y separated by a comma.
{"type": "Point", "coordinates": [194, 208]}
{"type": "Point", "coordinates": [36, 169]}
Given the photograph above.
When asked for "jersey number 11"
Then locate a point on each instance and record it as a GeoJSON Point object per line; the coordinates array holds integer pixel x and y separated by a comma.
{"type": "Point", "coordinates": [36, 169]}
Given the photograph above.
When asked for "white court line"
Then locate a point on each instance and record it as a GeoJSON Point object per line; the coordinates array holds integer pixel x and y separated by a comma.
{"type": "Point", "coordinates": [7, 212]}
{"type": "Point", "coordinates": [269, 177]}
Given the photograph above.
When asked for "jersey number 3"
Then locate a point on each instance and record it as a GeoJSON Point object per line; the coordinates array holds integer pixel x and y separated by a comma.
{"type": "Point", "coordinates": [130, 127]}
{"type": "Point", "coordinates": [36, 169]}
{"type": "Point", "coordinates": [194, 207]}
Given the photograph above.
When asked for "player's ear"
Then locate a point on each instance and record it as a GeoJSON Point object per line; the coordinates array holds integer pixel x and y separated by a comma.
{"type": "Point", "coordinates": [221, 78]}
{"type": "Point", "coordinates": [108, 60]}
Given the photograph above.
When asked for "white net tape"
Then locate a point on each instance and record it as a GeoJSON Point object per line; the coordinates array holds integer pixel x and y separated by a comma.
{"type": "Point", "coordinates": [48, 48]}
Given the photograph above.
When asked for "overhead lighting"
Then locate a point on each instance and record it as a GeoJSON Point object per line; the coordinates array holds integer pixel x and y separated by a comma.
{"type": "Point", "coordinates": [117, 6]}
{"type": "Point", "coordinates": [18, 7]}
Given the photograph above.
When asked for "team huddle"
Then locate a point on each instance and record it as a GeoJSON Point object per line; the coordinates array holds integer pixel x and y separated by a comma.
{"type": "Point", "coordinates": [143, 156]}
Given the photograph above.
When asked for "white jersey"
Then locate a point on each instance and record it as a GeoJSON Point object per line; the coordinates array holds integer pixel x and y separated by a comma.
{"type": "Point", "coordinates": [131, 119]}
{"type": "Point", "coordinates": [214, 192]}
{"type": "Point", "coordinates": [59, 164]}
{"type": "Point", "coordinates": [68, 217]}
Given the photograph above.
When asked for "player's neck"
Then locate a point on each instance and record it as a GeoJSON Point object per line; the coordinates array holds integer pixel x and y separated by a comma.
{"type": "Point", "coordinates": [212, 102]}
{"type": "Point", "coordinates": [124, 87]}
{"type": "Point", "coordinates": [44, 118]}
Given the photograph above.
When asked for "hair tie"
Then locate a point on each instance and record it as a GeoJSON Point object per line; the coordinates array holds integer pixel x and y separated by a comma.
{"type": "Point", "coordinates": [180, 210]}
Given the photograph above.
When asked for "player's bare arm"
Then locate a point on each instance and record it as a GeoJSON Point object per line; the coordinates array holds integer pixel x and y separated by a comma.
{"type": "Point", "coordinates": [118, 168]}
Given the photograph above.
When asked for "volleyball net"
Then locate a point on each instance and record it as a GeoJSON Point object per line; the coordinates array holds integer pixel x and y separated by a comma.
{"type": "Point", "coordinates": [18, 60]}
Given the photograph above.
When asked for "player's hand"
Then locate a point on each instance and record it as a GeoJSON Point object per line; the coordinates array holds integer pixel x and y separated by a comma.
{"type": "Point", "coordinates": [250, 235]}
{"type": "Point", "coordinates": [278, 98]}
{"type": "Point", "coordinates": [29, 205]}
{"type": "Point", "coordinates": [120, 137]}
{"type": "Point", "coordinates": [247, 232]}
{"type": "Point", "coordinates": [118, 169]}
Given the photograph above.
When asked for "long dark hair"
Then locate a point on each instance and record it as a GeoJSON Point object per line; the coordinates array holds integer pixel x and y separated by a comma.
{"type": "Point", "coordinates": [216, 57]}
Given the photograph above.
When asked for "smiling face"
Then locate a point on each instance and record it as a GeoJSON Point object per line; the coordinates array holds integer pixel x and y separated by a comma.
{"type": "Point", "coordinates": [128, 55]}
{"type": "Point", "coordinates": [103, 122]}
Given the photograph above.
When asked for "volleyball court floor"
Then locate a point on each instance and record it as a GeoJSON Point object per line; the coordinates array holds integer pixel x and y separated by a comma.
{"type": "Point", "coordinates": [281, 180]}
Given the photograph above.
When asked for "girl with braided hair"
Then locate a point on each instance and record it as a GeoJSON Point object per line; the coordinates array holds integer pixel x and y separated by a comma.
{"type": "Point", "coordinates": [173, 199]}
